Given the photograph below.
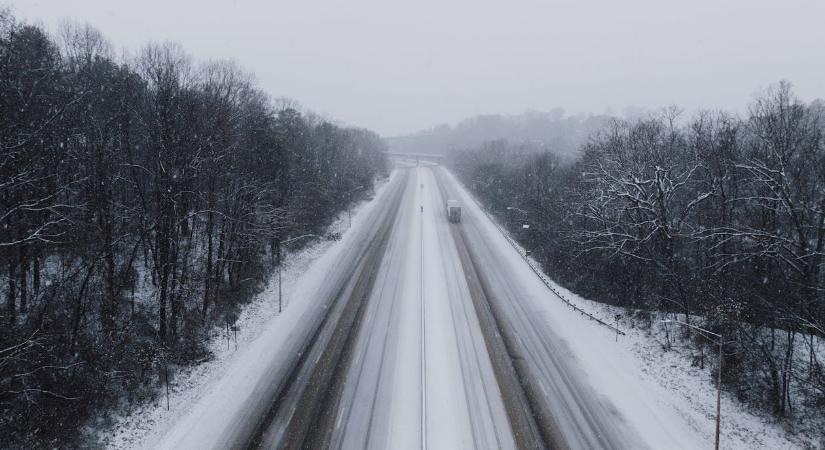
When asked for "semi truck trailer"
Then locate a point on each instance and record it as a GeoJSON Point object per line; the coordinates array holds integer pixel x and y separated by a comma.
{"type": "Point", "coordinates": [453, 211]}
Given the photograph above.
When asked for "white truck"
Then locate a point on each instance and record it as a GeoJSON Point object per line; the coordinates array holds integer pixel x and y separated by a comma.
{"type": "Point", "coordinates": [453, 211]}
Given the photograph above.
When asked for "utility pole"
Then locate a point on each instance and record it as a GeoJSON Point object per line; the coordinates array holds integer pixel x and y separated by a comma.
{"type": "Point", "coordinates": [349, 205]}
{"type": "Point", "coordinates": [718, 340]}
{"type": "Point", "coordinates": [280, 270]}
{"type": "Point", "coordinates": [719, 393]}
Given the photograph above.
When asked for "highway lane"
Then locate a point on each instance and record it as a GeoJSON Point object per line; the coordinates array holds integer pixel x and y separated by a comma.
{"type": "Point", "coordinates": [421, 376]}
{"type": "Point", "coordinates": [300, 415]}
{"type": "Point", "coordinates": [568, 411]}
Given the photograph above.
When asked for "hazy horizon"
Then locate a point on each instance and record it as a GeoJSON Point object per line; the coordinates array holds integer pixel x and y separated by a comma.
{"type": "Point", "coordinates": [402, 68]}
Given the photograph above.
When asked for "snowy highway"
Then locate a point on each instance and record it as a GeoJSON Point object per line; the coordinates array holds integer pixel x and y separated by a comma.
{"type": "Point", "coordinates": [421, 376]}
{"type": "Point", "coordinates": [417, 333]}
{"type": "Point", "coordinates": [365, 225]}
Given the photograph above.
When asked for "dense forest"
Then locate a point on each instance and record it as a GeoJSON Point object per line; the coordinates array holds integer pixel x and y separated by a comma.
{"type": "Point", "coordinates": [715, 218]}
{"type": "Point", "coordinates": [151, 175]}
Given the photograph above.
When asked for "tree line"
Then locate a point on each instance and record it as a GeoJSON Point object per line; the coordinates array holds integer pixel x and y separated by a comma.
{"type": "Point", "coordinates": [565, 133]}
{"type": "Point", "coordinates": [141, 202]}
{"type": "Point", "coordinates": [717, 218]}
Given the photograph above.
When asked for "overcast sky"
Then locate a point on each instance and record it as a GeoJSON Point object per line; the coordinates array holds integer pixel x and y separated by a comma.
{"type": "Point", "coordinates": [397, 67]}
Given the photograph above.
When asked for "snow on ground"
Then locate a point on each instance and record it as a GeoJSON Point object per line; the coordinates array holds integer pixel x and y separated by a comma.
{"type": "Point", "coordinates": [420, 369]}
{"type": "Point", "coordinates": [144, 426]}
{"type": "Point", "coordinates": [693, 390]}
{"type": "Point", "coordinates": [638, 375]}
{"type": "Point", "coordinates": [635, 374]}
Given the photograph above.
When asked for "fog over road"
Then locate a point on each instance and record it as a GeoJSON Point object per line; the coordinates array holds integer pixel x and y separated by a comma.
{"type": "Point", "coordinates": [420, 337]}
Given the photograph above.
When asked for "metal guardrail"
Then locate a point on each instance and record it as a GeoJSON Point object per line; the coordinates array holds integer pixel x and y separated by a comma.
{"type": "Point", "coordinates": [546, 281]}
{"type": "Point", "coordinates": [540, 274]}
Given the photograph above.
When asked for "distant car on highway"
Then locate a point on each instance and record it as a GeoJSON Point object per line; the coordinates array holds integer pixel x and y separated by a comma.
{"type": "Point", "coordinates": [453, 211]}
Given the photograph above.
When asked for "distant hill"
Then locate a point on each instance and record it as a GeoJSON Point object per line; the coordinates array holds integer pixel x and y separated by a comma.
{"type": "Point", "coordinates": [561, 133]}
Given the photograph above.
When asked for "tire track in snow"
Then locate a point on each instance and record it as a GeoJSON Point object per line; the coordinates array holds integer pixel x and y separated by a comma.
{"type": "Point", "coordinates": [423, 337]}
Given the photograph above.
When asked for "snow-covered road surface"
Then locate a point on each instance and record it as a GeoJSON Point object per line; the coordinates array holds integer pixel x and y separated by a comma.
{"type": "Point", "coordinates": [421, 376]}
{"type": "Point", "coordinates": [419, 333]}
